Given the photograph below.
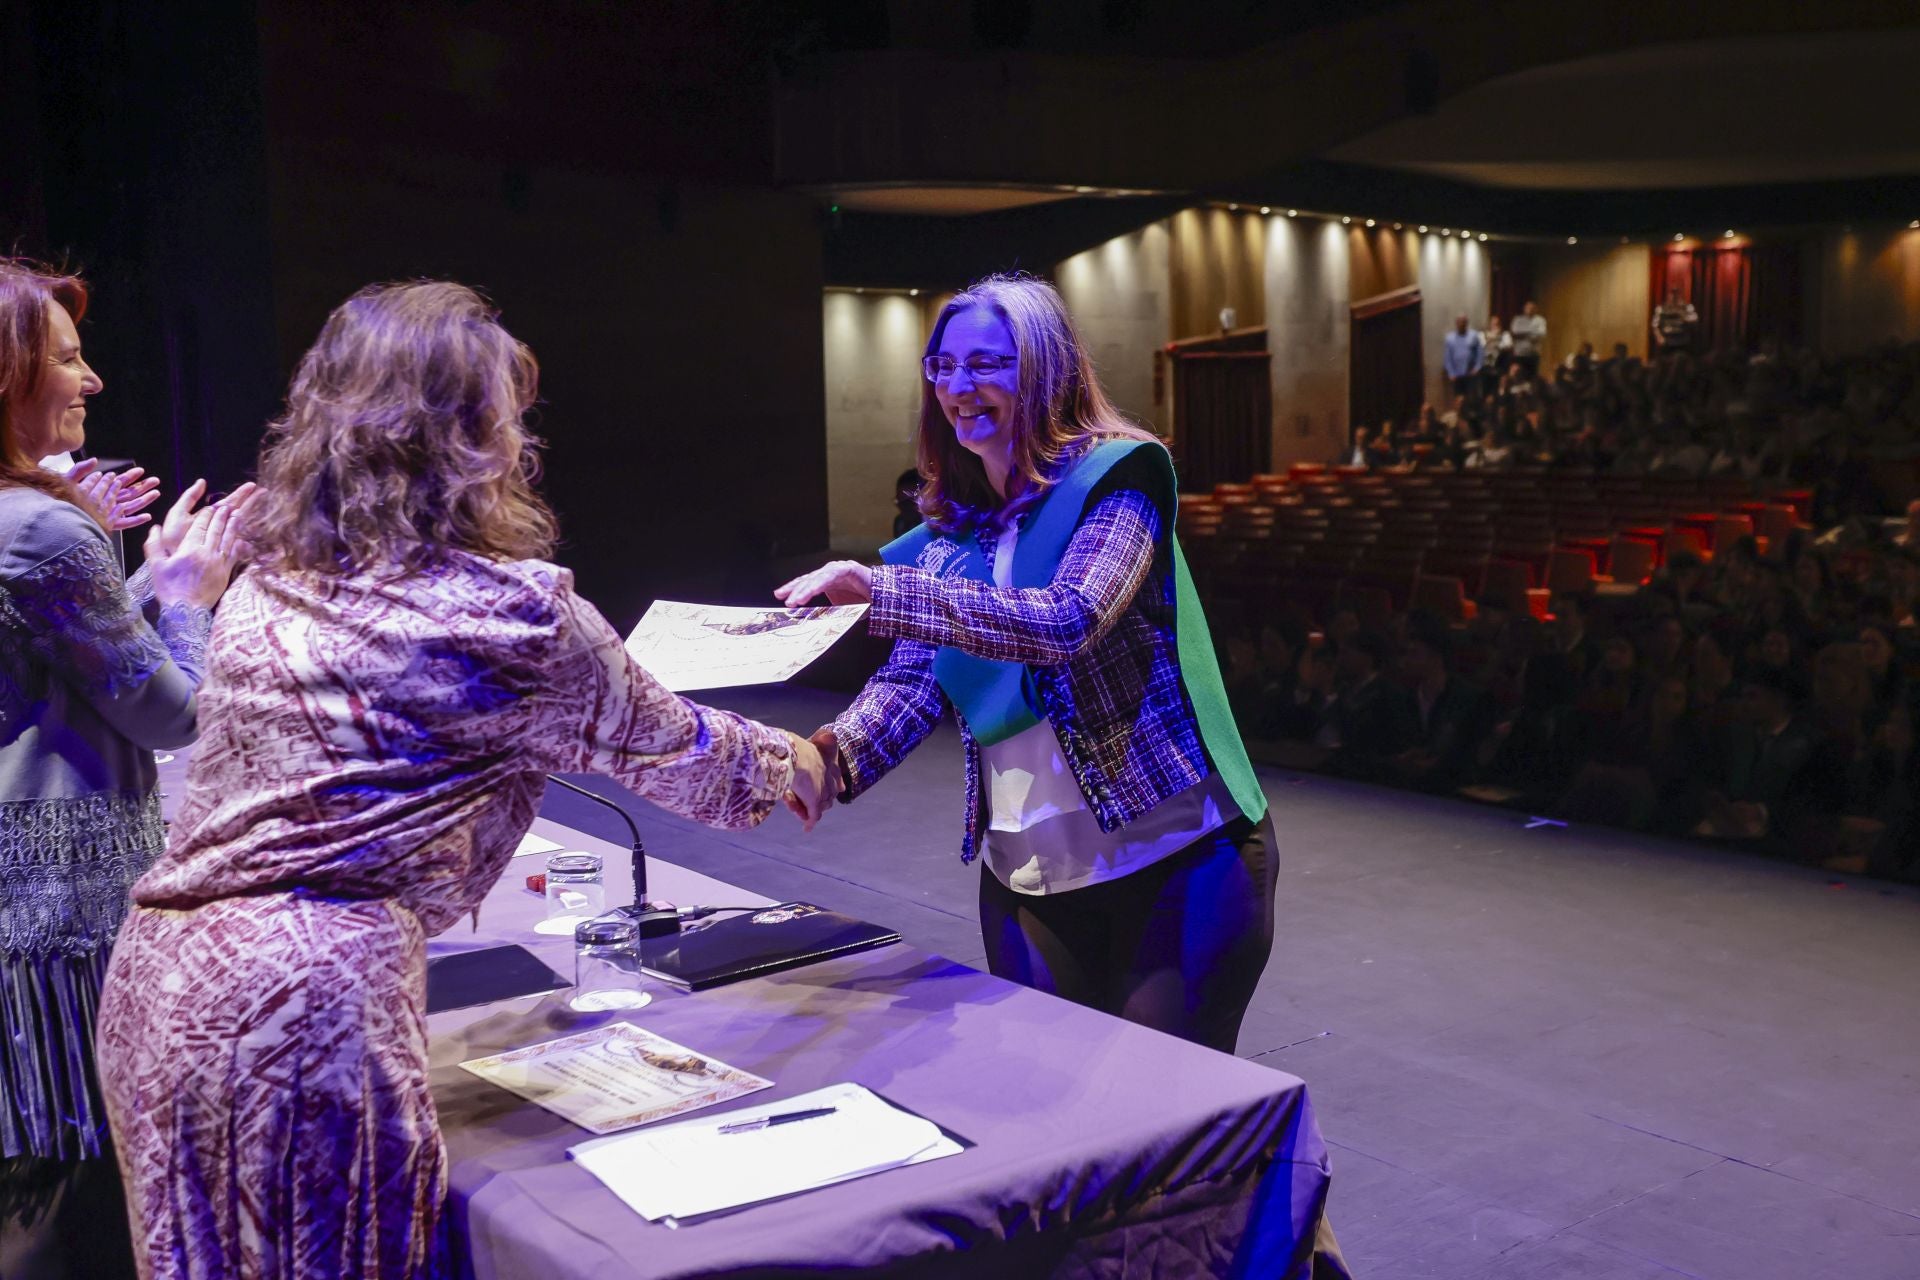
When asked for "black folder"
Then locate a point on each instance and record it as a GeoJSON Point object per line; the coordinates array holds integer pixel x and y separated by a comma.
{"type": "Point", "coordinates": [467, 978]}
{"type": "Point", "coordinates": [752, 943]}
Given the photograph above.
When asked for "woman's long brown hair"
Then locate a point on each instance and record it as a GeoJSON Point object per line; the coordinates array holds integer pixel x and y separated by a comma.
{"type": "Point", "coordinates": [403, 440]}
{"type": "Point", "coordinates": [1059, 407]}
{"type": "Point", "coordinates": [28, 294]}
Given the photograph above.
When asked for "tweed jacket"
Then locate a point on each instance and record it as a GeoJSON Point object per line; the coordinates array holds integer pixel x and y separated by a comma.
{"type": "Point", "coordinates": [1099, 640]}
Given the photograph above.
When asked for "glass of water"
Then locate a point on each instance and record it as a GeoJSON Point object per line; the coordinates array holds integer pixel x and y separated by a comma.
{"type": "Point", "coordinates": [606, 966]}
{"type": "Point", "coordinates": [575, 890]}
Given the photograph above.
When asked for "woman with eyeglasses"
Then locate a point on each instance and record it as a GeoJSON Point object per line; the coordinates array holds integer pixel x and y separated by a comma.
{"type": "Point", "coordinates": [1129, 858]}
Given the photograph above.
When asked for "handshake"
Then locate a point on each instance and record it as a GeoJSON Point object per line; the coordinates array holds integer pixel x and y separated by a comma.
{"type": "Point", "coordinates": [816, 775]}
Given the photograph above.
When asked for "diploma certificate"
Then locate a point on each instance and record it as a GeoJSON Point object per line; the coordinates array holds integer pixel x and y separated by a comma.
{"type": "Point", "coordinates": [710, 646]}
{"type": "Point", "coordinates": [615, 1077]}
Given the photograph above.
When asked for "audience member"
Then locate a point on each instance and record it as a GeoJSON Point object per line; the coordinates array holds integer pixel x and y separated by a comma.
{"type": "Point", "coordinates": [1462, 358]}
{"type": "Point", "coordinates": [1496, 343]}
{"type": "Point", "coordinates": [1529, 330]}
{"type": "Point", "coordinates": [1674, 322]}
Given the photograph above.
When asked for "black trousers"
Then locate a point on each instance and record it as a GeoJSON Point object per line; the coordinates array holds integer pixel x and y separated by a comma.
{"type": "Point", "coordinates": [1178, 945]}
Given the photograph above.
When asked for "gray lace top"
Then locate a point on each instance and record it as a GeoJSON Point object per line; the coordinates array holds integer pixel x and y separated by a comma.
{"type": "Point", "coordinates": [89, 688]}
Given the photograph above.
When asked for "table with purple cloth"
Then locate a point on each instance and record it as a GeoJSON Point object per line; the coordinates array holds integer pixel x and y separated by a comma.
{"type": "Point", "coordinates": [1099, 1148]}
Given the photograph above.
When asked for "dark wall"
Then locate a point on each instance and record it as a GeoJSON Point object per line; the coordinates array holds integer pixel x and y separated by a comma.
{"type": "Point", "coordinates": [677, 329]}
{"type": "Point", "coordinates": [227, 172]}
{"type": "Point", "coordinates": [136, 154]}
{"type": "Point", "coordinates": [602, 172]}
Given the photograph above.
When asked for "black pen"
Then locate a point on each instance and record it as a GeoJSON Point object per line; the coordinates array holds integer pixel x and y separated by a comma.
{"type": "Point", "coordinates": [785, 1117]}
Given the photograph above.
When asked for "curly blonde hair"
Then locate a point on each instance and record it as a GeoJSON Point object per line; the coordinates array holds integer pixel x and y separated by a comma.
{"type": "Point", "coordinates": [403, 440]}
{"type": "Point", "coordinates": [1059, 406]}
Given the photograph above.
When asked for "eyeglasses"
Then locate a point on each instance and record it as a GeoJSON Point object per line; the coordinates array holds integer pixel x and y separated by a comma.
{"type": "Point", "coordinates": [978, 367]}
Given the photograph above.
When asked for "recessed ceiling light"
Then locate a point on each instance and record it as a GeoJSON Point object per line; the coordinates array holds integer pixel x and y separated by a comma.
{"type": "Point", "coordinates": [1293, 213]}
{"type": "Point", "coordinates": [1729, 234]}
{"type": "Point", "coordinates": [1483, 237]}
{"type": "Point", "coordinates": [1083, 191]}
{"type": "Point", "coordinates": [1679, 235]}
{"type": "Point", "coordinates": [1233, 208]}
{"type": "Point", "coordinates": [1345, 220]}
{"type": "Point", "coordinates": [1423, 228]}
{"type": "Point", "coordinates": [1446, 231]}
{"type": "Point", "coordinates": [1265, 209]}
{"type": "Point", "coordinates": [1573, 239]}
{"type": "Point", "coordinates": [1397, 227]}
{"type": "Point", "coordinates": [913, 293]}
{"type": "Point", "coordinates": [1370, 222]}
{"type": "Point", "coordinates": [1914, 225]}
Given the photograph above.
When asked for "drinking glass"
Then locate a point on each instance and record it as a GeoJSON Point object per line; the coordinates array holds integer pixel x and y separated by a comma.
{"type": "Point", "coordinates": [606, 966]}
{"type": "Point", "coordinates": [575, 890]}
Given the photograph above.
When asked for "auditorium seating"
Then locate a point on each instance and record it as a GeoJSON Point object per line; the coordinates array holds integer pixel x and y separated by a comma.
{"type": "Point", "coordinates": [1317, 537]}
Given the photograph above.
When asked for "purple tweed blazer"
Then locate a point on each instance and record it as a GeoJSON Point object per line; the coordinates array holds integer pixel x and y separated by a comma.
{"type": "Point", "coordinates": [1100, 642]}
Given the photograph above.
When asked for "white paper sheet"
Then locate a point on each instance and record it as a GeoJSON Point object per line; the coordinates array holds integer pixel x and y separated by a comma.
{"type": "Point", "coordinates": [690, 1168]}
{"type": "Point", "coordinates": [531, 843]}
{"type": "Point", "coordinates": [710, 646]}
{"type": "Point", "coordinates": [615, 1077]}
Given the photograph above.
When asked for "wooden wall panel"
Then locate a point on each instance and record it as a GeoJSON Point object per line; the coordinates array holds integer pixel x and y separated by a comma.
{"type": "Point", "coordinates": [1863, 288]}
{"type": "Point", "coordinates": [1593, 293]}
{"type": "Point", "coordinates": [1218, 259]}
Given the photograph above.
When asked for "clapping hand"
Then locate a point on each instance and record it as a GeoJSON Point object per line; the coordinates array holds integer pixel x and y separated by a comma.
{"type": "Point", "coordinates": [192, 554]}
{"type": "Point", "coordinates": [115, 499]}
{"type": "Point", "coordinates": [182, 514]}
{"type": "Point", "coordinates": [840, 581]}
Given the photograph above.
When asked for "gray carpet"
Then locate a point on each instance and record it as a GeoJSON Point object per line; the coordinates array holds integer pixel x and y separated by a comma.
{"type": "Point", "coordinates": [1536, 1053]}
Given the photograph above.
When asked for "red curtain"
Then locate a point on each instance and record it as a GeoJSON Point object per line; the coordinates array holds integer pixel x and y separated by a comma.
{"type": "Point", "coordinates": [1743, 294]}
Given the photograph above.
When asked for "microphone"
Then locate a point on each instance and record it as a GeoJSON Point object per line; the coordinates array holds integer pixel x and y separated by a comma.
{"type": "Point", "coordinates": [653, 918]}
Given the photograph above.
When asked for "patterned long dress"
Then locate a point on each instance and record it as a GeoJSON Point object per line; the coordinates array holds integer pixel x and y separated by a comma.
{"type": "Point", "coordinates": [371, 752]}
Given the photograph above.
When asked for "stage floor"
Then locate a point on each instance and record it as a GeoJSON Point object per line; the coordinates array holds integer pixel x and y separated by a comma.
{"type": "Point", "coordinates": [1536, 1052]}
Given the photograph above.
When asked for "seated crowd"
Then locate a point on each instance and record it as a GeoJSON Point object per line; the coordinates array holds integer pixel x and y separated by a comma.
{"type": "Point", "coordinates": [1766, 701]}
{"type": "Point", "coordinates": [1785, 414]}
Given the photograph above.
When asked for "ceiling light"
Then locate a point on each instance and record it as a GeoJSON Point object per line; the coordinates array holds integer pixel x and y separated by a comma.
{"type": "Point", "coordinates": [1728, 235]}
{"type": "Point", "coordinates": [1679, 235]}
{"type": "Point", "coordinates": [1573, 239]}
{"type": "Point", "coordinates": [1446, 231]}
{"type": "Point", "coordinates": [1914, 225]}
{"type": "Point", "coordinates": [1345, 220]}
{"type": "Point", "coordinates": [1397, 227]}
{"type": "Point", "coordinates": [1266, 209]}
{"type": "Point", "coordinates": [1293, 213]}
{"type": "Point", "coordinates": [859, 290]}
{"type": "Point", "coordinates": [913, 293]}
{"type": "Point", "coordinates": [1083, 191]}
{"type": "Point", "coordinates": [1370, 222]}
{"type": "Point", "coordinates": [1423, 228]}
{"type": "Point", "coordinates": [1483, 237]}
{"type": "Point", "coordinates": [1233, 208]}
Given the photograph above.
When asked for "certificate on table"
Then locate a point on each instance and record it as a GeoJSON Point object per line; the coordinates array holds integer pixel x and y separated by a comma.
{"type": "Point", "coordinates": [615, 1077]}
{"type": "Point", "coordinates": [710, 646]}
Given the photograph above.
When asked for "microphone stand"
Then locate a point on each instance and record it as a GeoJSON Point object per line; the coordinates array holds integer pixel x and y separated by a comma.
{"type": "Point", "coordinates": [653, 918]}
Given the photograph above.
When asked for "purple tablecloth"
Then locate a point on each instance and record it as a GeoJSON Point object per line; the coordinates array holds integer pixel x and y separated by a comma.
{"type": "Point", "coordinates": [1100, 1148]}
